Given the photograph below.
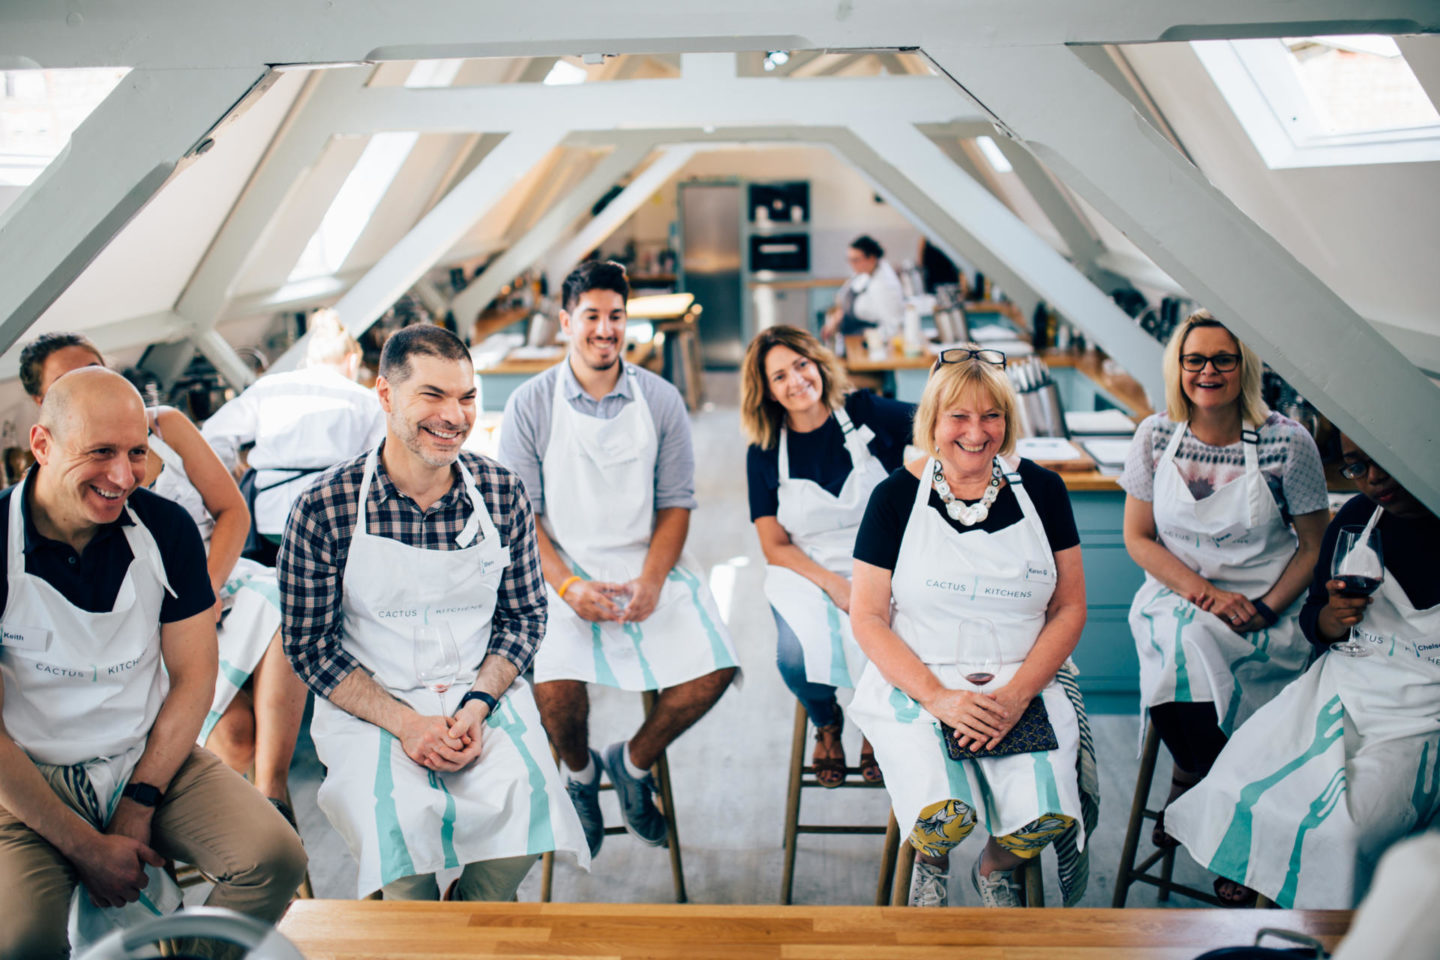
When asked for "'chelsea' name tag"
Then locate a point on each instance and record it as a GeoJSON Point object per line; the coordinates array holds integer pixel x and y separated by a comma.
{"type": "Point", "coordinates": [34, 639]}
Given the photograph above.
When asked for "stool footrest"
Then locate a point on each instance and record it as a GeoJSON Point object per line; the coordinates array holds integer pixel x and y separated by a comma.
{"type": "Point", "coordinates": [847, 785]}
{"type": "Point", "coordinates": [827, 828]}
{"type": "Point", "coordinates": [1200, 895]}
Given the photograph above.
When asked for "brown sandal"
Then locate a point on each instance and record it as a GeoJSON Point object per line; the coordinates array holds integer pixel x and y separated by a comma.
{"type": "Point", "coordinates": [1158, 836]}
{"type": "Point", "coordinates": [869, 770]}
{"type": "Point", "coordinates": [1234, 894]}
{"type": "Point", "coordinates": [830, 771]}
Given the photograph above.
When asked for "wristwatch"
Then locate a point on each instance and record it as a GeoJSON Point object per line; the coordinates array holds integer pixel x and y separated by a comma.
{"type": "Point", "coordinates": [144, 794]}
{"type": "Point", "coordinates": [480, 695]}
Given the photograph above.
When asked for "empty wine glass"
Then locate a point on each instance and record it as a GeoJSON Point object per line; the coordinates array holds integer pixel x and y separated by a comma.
{"type": "Point", "coordinates": [437, 660]}
{"type": "Point", "coordinates": [1359, 563]}
{"type": "Point", "coordinates": [980, 647]}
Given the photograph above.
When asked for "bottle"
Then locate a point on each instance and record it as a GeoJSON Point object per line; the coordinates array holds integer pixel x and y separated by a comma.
{"type": "Point", "coordinates": [914, 340]}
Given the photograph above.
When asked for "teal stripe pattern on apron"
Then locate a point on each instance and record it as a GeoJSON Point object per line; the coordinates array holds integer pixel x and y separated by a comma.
{"type": "Point", "coordinates": [839, 672]}
{"type": "Point", "coordinates": [447, 821]}
{"type": "Point", "coordinates": [603, 673]}
{"type": "Point", "coordinates": [540, 836]}
{"type": "Point", "coordinates": [717, 645]}
{"type": "Point", "coordinates": [395, 859]}
{"type": "Point", "coordinates": [1074, 863]}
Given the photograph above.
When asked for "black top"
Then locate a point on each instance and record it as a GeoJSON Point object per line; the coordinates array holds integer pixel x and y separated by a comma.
{"type": "Point", "coordinates": [820, 455]}
{"type": "Point", "coordinates": [91, 580]}
{"type": "Point", "coordinates": [883, 529]}
{"type": "Point", "coordinates": [1410, 546]}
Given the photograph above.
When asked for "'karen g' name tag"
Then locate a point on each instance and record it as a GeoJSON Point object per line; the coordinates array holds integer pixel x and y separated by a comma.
{"type": "Point", "coordinates": [32, 639]}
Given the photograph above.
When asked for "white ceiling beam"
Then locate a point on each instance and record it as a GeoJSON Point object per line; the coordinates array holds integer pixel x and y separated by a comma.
{"type": "Point", "coordinates": [547, 230]}
{"type": "Point", "coordinates": [154, 122]}
{"type": "Point", "coordinates": [223, 358]}
{"type": "Point", "coordinates": [1011, 240]}
{"type": "Point", "coordinates": [279, 174]}
{"type": "Point", "coordinates": [562, 259]}
{"type": "Point", "coordinates": [162, 34]}
{"type": "Point", "coordinates": [164, 327]}
{"type": "Point", "coordinates": [1086, 132]}
{"type": "Point", "coordinates": [689, 103]}
{"type": "Point", "coordinates": [437, 231]}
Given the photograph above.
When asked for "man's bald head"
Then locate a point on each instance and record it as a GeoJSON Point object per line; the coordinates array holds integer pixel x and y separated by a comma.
{"type": "Point", "coordinates": [84, 392]}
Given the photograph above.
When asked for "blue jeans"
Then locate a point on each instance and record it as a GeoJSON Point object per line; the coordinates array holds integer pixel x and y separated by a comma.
{"type": "Point", "coordinates": [818, 699]}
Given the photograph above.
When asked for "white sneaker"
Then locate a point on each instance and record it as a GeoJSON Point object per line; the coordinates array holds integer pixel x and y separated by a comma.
{"type": "Point", "coordinates": [1000, 889]}
{"type": "Point", "coordinates": [929, 886]}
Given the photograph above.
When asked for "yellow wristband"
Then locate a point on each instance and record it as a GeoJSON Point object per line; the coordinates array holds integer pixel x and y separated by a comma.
{"type": "Point", "coordinates": [565, 586]}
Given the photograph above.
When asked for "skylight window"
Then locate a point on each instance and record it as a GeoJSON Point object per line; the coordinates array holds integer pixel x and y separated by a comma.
{"type": "Point", "coordinates": [564, 72]}
{"type": "Point", "coordinates": [993, 156]}
{"type": "Point", "coordinates": [40, 109]}
{"type": "Point", "coordinates": [1325, 101]}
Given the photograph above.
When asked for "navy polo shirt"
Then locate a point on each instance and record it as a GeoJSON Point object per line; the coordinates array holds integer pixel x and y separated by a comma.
{"type": "Point", "coordinates": [91, 580]}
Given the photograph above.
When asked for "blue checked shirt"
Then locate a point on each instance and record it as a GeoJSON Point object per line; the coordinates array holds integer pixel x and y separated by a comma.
{"type": "Point", "coordinates": [317, 543]}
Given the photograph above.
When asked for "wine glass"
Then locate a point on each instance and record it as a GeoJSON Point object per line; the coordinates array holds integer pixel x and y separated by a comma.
{"type": "Point", "coordinates": [437, 660]}
{"type": "Point", "coordinates": [1360, 565]}
{"type": "Point", "coordinates": [980, 646]}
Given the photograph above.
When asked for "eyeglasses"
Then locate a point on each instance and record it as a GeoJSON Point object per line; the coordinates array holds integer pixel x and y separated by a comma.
{"type": "Point", "coordinates": [1222, 362]}
{"type": "Point", "coordinates": [1356, 469]}
{"type": "Point", "coordinates": [961, 354]}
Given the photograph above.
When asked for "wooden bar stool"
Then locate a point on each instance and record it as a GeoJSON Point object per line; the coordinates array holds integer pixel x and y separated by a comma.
{"type": "Point", "coordinates": [1131, 873]}
{"type": "Point", "coordinates": [661, 773]}
{"type": "Point", "coordinates": [900, 863]}
{"type": "Point", "coordinates": [799, 771]}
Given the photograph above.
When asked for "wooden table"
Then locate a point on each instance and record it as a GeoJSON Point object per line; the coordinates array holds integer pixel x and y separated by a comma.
{"type": "Point", "coordinates": [371, 930]}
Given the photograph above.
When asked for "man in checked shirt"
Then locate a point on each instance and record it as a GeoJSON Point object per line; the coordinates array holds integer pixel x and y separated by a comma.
{"type": "Point", "coordinates": [412, 619]}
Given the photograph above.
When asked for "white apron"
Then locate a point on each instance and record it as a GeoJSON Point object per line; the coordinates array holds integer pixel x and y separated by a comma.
{"type": "Point", "coordinates": [398, 818]}
{"type": "Point", "coordinates": [940, 579]}
{"type": "Point", "coordinates": [251, 595]}
{"type": "Point", "coordinates": [824, 527]}
{"type": "Point", "coordinates": [1237, 539]}
{"type": "Point", "coordinates": [598, 478]}
{"type": "Point", "coordinates": [83, 689]}
{"type": "Point", "coordinates": [1344, 762]}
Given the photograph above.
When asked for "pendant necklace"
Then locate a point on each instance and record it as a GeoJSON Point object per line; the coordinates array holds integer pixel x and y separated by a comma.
{"type": "Point", "coordinates": [968, 514]}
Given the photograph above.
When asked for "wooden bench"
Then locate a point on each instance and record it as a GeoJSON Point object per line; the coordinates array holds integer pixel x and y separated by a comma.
{"type": "Point", "coordinates": [359, 930]}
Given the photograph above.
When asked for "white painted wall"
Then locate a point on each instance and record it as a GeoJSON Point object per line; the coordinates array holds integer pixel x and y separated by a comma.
{"type": "Point", "coordinates": [842, 205]}
{"type": "Point", "coordinates": [1369, 232]}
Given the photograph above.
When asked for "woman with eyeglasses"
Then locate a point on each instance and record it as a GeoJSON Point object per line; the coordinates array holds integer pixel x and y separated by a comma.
{"type": "Point", "coordinates": [818, 449]}
{"type": "Point", "coordinates": [1225, 507]}
{"type": "Point", "coordinates": [968, 597]}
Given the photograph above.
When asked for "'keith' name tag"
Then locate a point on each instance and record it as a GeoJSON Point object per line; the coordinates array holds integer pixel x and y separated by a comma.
{"type": "Point", "coordinates": [33, 639]}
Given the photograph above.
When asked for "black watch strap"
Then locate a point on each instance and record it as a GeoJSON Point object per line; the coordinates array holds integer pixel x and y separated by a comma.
{"type": "Point", "coordinates": [480, 695]}
{"type": "Point", "coordinates": [145, 794]}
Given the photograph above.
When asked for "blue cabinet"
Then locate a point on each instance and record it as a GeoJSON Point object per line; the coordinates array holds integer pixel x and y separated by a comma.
{"type": "Point", "coordinates": [1109, 668]}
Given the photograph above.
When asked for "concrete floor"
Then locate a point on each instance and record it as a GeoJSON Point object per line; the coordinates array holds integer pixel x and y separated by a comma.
{"type": "Point", "coordinates": [730, 771]}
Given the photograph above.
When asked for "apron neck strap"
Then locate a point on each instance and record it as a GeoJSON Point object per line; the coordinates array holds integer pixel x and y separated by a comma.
{"type": "Point", "coordinates": [479, 522]}
{"type": "Point", "coordinates": [1174, 444]}
{"type": "Point", "coordinates": [1250, 445]}
{"type": "Point", "coordinates": [167, 454]}
{"type": "Point", "coordinates": [848, 433]}
{"type": "Point", "coordinates": [146, 550]}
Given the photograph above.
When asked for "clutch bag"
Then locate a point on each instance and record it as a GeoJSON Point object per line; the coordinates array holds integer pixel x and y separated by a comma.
{"type": "Point", "coordinates": [1031, 734]}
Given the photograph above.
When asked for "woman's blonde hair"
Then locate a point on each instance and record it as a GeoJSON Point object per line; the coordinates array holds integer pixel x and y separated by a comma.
{"type": "Point", "coordinates": [1177, 406]}
{"type": "Point", "coordinates": [329, 342]}
{"type": "Point", "coordinates": [760, 414]}
{"type": "Point", "coordinates": [952, 383]}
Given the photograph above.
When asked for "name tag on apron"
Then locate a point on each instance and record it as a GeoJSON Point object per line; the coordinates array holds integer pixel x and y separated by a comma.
{"type": "Point", "coordinates": [1038, 573]}
{"type": "Point", "coordinates": [32, 639]}
{"type": "Point", "coordinates": [501, 559]}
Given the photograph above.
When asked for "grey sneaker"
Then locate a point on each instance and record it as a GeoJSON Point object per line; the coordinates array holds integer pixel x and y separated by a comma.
{"type": "Point", "coordinates": [929, 886]}
{"type": "Point", "coordinates": [643, 819]}
{"type": "Point", "coordinates": [1000, 889]}
{"type": "Point", "coordinates": [586, 797]}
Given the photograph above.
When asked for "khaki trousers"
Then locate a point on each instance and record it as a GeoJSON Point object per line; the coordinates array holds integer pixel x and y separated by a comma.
{"type": "Point", "coordinates": [494, 880]}
{"type": "Point", "coordinates": [210, 817]}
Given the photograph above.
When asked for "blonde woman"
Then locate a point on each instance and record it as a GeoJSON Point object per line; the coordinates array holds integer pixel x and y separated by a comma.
{"type": "Point", "coordinates": [818, 449]}
{"type": "Point", "coordinates": [977, 553]}
{"type": "Point", "coordinates": [1225, 509]}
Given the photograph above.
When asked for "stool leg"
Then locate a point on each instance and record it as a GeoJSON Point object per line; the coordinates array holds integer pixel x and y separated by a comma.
{"type": "Point", "coordinates": [1167, 870]}
{"type": "Point", "coordinates": [547, 875]}
{"type": "Point", "coordinates": [1123, 876]}
{"type": "Point", "coordinates": [887, 862]}
{"type": "Point", "coordinates": [305, 891]}
{"type": "Point", "coordinates": [672, 828]}
{"type": "Point", "coordinates": [900, 892]}
{"type": "Point", "coordinates": [792, 801]}
{"type": "Point", "coordinates": [1033, 877]}
{"type": "Point", "coordinates": [1263, 902]}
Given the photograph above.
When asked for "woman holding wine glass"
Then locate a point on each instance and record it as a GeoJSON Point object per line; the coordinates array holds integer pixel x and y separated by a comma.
{"type": "Point", "coordinates": [1346, 760]}
{"type": "Point", "coordinates": [818, 449]}
{"type": "Point", "coordinates": [1224, 511]}
{"type": "Point", "coordinates": [978, 553]}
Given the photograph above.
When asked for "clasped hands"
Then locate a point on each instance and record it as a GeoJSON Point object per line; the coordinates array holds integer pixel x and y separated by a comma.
{"type": "Point", "coordinates": [594, 600]}
{"type": "Point", "coordinates": [444, 744]}
{"type": "Point", "coordinates": [1236, 609]}
{"type": "Point", "coordinates": [981, 720]}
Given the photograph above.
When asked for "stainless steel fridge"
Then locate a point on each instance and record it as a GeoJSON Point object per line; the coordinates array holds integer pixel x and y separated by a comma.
{"type": "Point", "coordinates": [711, 266]}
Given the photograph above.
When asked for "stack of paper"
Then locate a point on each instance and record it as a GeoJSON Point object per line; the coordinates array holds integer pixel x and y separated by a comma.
{"type": "Point", "coordinates": [1099, 422]}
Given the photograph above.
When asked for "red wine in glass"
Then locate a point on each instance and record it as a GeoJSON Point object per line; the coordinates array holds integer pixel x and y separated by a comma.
{"type": "Point", "coordinates": [1358, 563]}
{"type": "Point", "coordinates": [979, 648]}
{"type": "Point", "coordinates": [979, 679]}
{"type": "Point", "coordinates": [1358, 586]}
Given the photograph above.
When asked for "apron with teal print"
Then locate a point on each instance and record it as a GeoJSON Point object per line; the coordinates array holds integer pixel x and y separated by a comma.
{"type": "Point", "coordinates": [1238, 540]}
{"type": "Point", "coordinates": [823, 526]}
{"type": "Point", "coordinates": [599, 482]}
{"type": "Point", "coordinates": [82, 691]}
{"type": "Point", "coordinates": [1344, 762]}
{"type": "Point", "coordinates": [250, 597]}
{"type": "Point", "coordinates": [397, 817]}
{"type": "Point", "coordinates": [941, 578]}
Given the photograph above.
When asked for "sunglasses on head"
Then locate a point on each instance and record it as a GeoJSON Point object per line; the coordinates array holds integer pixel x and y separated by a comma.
{"type": "Point", "coordinates": [961, 354]}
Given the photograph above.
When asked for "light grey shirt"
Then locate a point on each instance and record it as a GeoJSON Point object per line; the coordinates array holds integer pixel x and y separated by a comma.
{"type": "Point", "coordinates": [526, 434]}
